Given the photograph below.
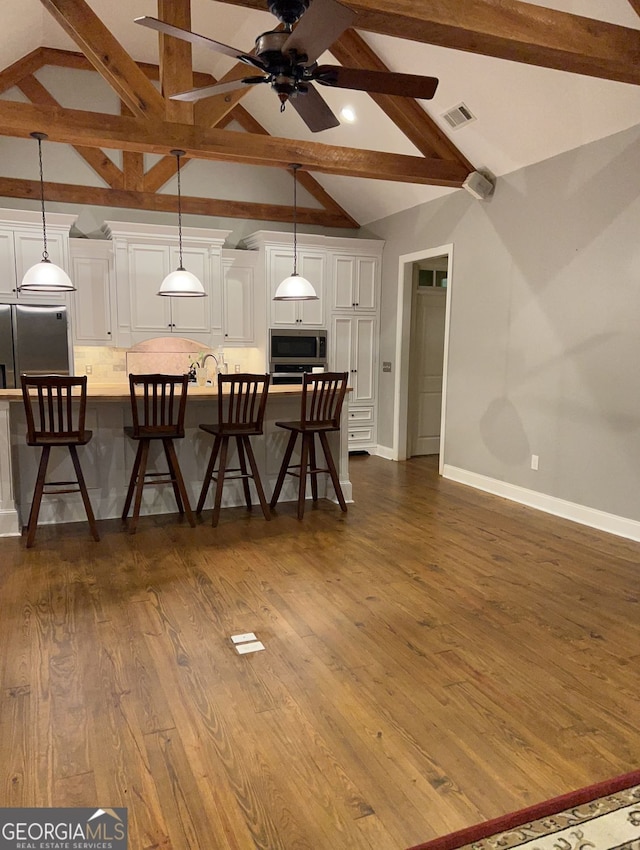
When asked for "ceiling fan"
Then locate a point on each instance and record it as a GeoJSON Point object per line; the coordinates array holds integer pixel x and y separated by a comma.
{"type": "Point", "coordinates": [287, 60]}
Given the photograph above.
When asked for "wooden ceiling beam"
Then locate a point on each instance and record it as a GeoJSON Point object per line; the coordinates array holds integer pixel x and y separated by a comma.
{"type": "Point", "coordinates": [505, 29]}
{"type": "Point", "coordinates": [635, 5]}
{"type": "Point", "coordinates": [176, 64]}
{"type": "Point", "coordinates": [12, 75]}
{"type": "Point", "coordinates": [11, 187]}
{"type": "Point", "coordinates": [104, 167]}
{"type": "Point", "coordinates": [351, 50]}
{"type": "Point", "coordinates": [108, 57]}
{"type": "Point", "coordinates": [79, 127]}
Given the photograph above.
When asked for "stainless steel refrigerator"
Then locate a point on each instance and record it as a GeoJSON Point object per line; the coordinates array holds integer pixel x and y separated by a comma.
{"type": "Point", "coordinates": [34, 340]}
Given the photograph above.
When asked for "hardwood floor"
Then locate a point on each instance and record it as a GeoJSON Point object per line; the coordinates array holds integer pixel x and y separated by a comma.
{"type": "Point", "coordinates": [434, 657]}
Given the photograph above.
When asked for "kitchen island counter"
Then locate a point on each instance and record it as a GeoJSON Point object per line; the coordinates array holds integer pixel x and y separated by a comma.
{"type": "Point", "coordinates": [108, 459]}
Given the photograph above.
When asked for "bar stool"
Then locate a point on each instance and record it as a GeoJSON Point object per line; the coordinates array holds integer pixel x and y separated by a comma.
{"type": "Point", "coordinates": [158, 404]}
{"type": "Point", "coordinates": [242, 399]}
{"type": "Point", "coordinates": [56, 417]}
{"type": "Point", "coordinates": [322, 398]}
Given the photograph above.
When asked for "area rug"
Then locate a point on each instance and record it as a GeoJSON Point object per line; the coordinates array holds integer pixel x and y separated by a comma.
{"type": "Point", "coordinates": [605, 816]}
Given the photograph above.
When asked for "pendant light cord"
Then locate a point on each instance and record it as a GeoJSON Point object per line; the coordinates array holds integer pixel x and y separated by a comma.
{"type": "Point", "coordinates": [295, 220]}
{"type": "Point", "coordinates": [178, 154]}
{"type": "Point", "coordinates": [45, 253]}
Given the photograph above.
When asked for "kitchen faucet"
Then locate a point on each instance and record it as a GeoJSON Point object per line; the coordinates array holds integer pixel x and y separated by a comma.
{"type": "Point", "coordinates": [205, 358]}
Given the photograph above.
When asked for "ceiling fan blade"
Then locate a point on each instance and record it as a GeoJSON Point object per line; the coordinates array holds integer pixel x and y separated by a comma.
{"type": "Point", "coordinates": [322, 23]}
{"type": "Point", "coordinates": [201, 40]}
{"type": "Point", "coordinates": [314, 110]}
{"type": "Point", "coordinates": [218, 88]}
{"type": "Point", "coordinates": [379, 82]}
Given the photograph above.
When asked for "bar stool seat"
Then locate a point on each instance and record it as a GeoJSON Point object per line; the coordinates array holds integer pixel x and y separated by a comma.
{"type": "Point", "coordinates": [158, 405]}
{"type": "Point", "coordinates": [322, 398]}
{"type": "Point", "coordinates": [242, 399]}
{"type": "Point", "coordinates": [56, 417]}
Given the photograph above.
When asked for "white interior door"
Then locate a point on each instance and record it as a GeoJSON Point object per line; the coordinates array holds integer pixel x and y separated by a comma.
{"type": "Point", "coordinates": [426, 367]}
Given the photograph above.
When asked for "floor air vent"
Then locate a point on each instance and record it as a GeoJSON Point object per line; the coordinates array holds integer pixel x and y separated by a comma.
{"type": "Point", "coordinates": [458, 116]}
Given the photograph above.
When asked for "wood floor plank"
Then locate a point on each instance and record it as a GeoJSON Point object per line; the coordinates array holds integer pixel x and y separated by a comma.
{"type": "Point", "coordinates": [434, 657]}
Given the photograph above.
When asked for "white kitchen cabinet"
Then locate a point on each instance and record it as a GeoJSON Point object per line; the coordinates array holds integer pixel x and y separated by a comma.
{"type": "Point", "coordinates": [355, 283]}
{"type": "Point", "coordinates": [312, 266]}
{"type": "Point", "coordinates": [354, 348]}
{"type": "Point", "coordinates": [144, 256]}
{"type": "Point", "coordinates": [21, 246]}
{"type": "Point", "coordinates": [91, 303]}
{"type": "Point", "coordinates": [239, 271]}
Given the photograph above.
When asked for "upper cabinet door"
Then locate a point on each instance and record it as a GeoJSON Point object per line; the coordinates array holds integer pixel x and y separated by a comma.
{"type": "Point", "coordinates": [191, 316]}
{"type": "Point", "coordinates": [7, 265]}
{"type": "Point", "coordinates": [237, 296]}
{"type": "Point", "coordinates": [312, 266]}
{"type": "Point", "coordinates": [355, 283]}
{"type": "Point", "coordinates": [28, 248]}
{"type": "Point", "coordinates": [148, 267]}
{"type": "Point", "coordinates": [91, 302]}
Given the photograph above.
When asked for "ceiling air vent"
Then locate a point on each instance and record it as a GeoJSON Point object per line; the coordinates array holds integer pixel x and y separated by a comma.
{"type": "Point", "coordinates": [458, 116]}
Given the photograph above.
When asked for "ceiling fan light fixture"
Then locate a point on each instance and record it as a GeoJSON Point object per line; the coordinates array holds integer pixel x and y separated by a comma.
{"type": "Point", "coordinates": [181, 283]}
{"type": "Point", "coordinates": [348, 114]}
{"type": "Point", "coordinates": [45, 276]}
{"type": "Point", "coordinates": [295, 287]}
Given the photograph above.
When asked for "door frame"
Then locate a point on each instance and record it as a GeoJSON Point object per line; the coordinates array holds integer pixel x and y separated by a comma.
{"type": "Point", "coordinates": [403, 346]}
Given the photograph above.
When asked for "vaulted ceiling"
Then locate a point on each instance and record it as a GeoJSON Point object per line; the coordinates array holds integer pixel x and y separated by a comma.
{"type": "Point", "coordinates": [538, 79]}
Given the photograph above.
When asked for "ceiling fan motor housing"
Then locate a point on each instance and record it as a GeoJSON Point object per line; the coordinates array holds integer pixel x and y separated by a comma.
{"type": "Point", "coordinates": [288, 11]}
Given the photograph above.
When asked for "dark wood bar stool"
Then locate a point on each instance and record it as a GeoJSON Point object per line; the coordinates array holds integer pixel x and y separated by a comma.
{"type": "Point", "coordinates": [158, 404]}
{"type": "Point", "coordinates": [322, 398]}
{"type": "Point", "coordinates": [56, 417]}
{"type": "Point", "coordinates": [242, 399]}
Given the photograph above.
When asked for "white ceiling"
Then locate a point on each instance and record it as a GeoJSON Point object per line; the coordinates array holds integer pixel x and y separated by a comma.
{"type": "Point", "coordinates": [524, 114]}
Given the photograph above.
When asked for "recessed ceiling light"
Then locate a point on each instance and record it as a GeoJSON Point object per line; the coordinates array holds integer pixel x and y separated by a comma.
{"type": "Point", "coordinates": [348, 114]}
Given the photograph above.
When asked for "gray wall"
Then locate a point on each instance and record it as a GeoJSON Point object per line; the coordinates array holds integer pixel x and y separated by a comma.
{"type": "Point", "coordinates": [545, 311]}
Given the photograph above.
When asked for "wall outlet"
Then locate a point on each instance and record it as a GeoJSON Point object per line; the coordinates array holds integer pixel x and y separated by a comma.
{"type": "Point", "coordinates": [237, 367]}
{"type": "Point", "coordinates": [386, 365]}
{"type": "Point", "coordinates": [534, 462]}
{"type": "Point", "coordinates": [88, 369]}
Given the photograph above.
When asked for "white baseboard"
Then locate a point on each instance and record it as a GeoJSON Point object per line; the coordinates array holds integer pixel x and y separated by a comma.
{"type": "Point", "coordinates": [9, 524]}
{"type": "Point", "coordinates": [386, 452]}
{"type": "Point", "coordinates": [601, 520]}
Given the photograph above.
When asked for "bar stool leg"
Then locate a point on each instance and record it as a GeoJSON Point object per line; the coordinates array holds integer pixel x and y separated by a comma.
{"type": "Point", "coordinates": [332, 470]}
{"type": "Point", "coordinates": [83, 491]}
{"type": "Point", "coordinates": [132, 482]}
{"type": "Point", "coordinates": [256, 478]}
{"type": "Point", "coordinates": [182, 496]}
{"type": "Point", "coordinates": [37, 496]}
{"type": "Point", "coordinates": [142, 468]}
{"type": "Point", "coordinates": [172, 473]}
{"type": "Point", "coordinates": [313, 468]}
{"type": "Point", "coordinates": [209, 474]}
{"type": "Point", "coordinates": [283, 469]}
{"type": "Point", "coordinates": [243, 471]}
{"type": "Point", "coordinates": [302, 484]}
{"type": "Point", "coordinates": [220, 482]}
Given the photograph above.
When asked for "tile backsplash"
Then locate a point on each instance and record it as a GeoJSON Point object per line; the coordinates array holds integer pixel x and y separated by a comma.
{"type": "Point", "coordinates": [106, 365]}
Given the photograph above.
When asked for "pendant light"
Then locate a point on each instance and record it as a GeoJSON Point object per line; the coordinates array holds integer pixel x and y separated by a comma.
{"type": "Point", "coordinates": [45, 276]}
{"type": "Point", "coordinates": [181, 283]}
{"type": "Point", "coordinates": [295, 287]}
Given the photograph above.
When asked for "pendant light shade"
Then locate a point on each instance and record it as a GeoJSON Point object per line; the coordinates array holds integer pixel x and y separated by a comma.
{"type": "Point", "coordinates": [181, 283]}
{"type": "Point", "coordinates": [295, 287]}
{"type": "Point", "coordinates": [45, 276]}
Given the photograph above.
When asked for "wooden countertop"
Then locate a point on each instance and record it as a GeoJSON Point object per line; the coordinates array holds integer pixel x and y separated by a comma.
{"type": "Point", "coordinates": [120, 392]}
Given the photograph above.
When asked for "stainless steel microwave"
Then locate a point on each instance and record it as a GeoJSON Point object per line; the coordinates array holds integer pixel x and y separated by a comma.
{"type": "Point", "coordinates": [298, 346]}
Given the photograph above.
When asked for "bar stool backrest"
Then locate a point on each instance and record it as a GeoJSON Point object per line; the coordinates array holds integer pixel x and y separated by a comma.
{"type": "Point", "coordinates": [322, 398]}
{"type": "Point", "coordinates": [158, 404]}
{"type": "Point", "coordinates": [242, 399]}
{"type": "Point", "coordinates": [55, 407]}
